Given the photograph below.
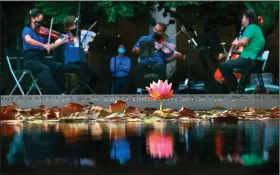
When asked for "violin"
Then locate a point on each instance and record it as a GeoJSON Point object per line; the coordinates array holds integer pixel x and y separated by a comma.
{"type": "Point", "coordinates": [162, 43]}
{"type": "Point", "coordinates": [43, 31]}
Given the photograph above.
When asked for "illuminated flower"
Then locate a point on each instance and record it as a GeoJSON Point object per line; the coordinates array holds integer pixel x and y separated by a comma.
{"type": "Point", "coordinates": [160, 91]}
{"type": "Point", "coordinates": [160, 145]}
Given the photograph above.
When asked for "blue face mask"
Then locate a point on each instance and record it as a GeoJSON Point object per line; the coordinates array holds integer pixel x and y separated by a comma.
{"type": "Point", "coordinates": [121, 50]}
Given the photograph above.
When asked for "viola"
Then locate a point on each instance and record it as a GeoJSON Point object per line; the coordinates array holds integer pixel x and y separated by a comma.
{"type": "Point", "coordinates": [43, 31]}
{"type": "Point", "coordinates": [161, 43]}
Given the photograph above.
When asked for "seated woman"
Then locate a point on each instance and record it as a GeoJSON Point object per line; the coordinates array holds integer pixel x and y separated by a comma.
{"type": "Point", "coordinates": [120, 66]}
{"type": "Point", "coordinates": [49, 74]}
{"type": "Point", "coordinates": [74, 57]}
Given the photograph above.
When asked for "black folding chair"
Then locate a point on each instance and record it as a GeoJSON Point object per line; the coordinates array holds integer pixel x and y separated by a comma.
{"type": "Point", "coordinates": [257, 67]}
{"type": "Point", "coordinates": [17, 72]}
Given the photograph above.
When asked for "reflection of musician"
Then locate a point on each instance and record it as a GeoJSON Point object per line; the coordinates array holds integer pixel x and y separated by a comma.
{"type": "Point", "coordinates": [49, 73]}
{"type": "Point", "coordinates": [74, 58]}
{"type": "Point", "coordinates": [252, 41]}
{"type": "Point", "coordinates": [158, 62]}
{"type": "Point", "coordinates": [120, 150]}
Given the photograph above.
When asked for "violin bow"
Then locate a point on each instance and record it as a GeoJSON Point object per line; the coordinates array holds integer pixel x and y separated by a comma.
{"type": "Point", "coordinates": [88, 31]}
{"type": "Point", "coordinates": [50, 31]}
{"type": "Point", "coordinates": [171, 38]}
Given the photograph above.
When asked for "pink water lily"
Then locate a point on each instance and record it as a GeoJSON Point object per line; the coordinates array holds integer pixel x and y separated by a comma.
{"type": "Point", "coordinates": [160, 91]}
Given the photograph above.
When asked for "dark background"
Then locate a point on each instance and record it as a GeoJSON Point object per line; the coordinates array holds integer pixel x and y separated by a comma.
{"type": "Point", "coordinates": [13, 16]}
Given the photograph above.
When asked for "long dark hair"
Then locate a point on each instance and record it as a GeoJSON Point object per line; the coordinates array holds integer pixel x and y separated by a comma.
{"type": "Point", "coordinates": [252, 16]}
{"type": "Point", "coordinates": [32, 14]}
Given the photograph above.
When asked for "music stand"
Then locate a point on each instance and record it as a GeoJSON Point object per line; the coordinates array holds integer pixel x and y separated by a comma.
{"type": "Point", "coordinates": [147, 49]}
{"type": "Point", "coordinates": [104, 44]}
{"type": "Point", "coordinates": [81, 52]}
{"type": "Point", "coordinates": [192, 44]}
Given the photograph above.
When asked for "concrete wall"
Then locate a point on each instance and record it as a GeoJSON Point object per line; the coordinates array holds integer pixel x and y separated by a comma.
{"type": "Point", "coordinates": [171, 30]}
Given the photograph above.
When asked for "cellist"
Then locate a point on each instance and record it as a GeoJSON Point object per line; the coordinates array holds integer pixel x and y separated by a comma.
{"type": "Point", "coordinates": [252, 41]}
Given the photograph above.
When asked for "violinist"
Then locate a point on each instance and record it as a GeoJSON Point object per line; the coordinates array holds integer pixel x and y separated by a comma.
{"type": "Point", "coordinates": [73, 59]}
{"type": "Point", "coordinates": [158, 61]}
{"type": "Point", "coordinates": [252, 41]}
{"type": "Point", "coordinates": [34, 45]}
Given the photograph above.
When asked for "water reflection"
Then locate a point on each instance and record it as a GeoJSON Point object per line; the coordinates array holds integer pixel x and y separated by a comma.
{"type": "Point", "coordinates": [120, 150]}
{"type": "Point", "coordinates": [134, 143]}
{"type": "Point", "coordinates": [160, 145]}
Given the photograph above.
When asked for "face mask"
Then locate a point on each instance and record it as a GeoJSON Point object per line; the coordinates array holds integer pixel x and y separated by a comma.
{"type": "Point", "coordinates": [121, 50]}
{"type": "Point", "coordinates": [38, 23]}
{"type": "Point", "coordinates": [157, 36]}
{"type": "Point", "coordinates": [73, 31]}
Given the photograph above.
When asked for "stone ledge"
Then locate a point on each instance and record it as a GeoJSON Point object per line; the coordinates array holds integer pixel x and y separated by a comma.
{"type": "Point", "coordinates": [195, 102]}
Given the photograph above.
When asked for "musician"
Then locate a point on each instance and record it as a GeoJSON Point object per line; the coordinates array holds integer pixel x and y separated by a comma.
{"type": "Point", "coordinates": [158, 62]}
{"type": "Point", "coordinates": [252, 41]}
{"type": "Point", "coordinates": [120, 66]}
{"type": "Point", "coordinates": [75, 58]}
{"type": "Point", "coordinates": [50, 74]}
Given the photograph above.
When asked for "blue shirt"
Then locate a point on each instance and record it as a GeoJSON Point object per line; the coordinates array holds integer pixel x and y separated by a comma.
{"type": "Point", "coordinates": [33, 35]}
{"type": "Point", "coordinates": [123, 66]}
{"type": "Point", "coordinates": [72, 53]}
{"type": "Point", "coordinates": [159, 56]}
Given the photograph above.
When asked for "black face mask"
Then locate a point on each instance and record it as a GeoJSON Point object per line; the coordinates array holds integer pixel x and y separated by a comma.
{"type": "Point", "coordinates": [157, 36]}
{"type": "Point", "coordinates": [73, 31]}
{"type": "Point", "coordinates": [38, 23]}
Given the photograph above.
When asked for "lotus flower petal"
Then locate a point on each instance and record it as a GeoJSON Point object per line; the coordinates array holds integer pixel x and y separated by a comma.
{"type": "Point", "coordinates": [160, 90]}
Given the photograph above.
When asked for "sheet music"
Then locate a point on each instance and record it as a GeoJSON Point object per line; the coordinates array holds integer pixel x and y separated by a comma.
{"type": "Point", "coordinates": [86, 37]}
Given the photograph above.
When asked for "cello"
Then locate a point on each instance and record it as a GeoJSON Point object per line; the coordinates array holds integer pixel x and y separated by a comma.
{"type": "Point", "coordinates": [232, 54]}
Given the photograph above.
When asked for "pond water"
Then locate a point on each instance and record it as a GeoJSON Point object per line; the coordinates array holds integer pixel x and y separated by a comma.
{"type": "Point", "coordinates": [137, 144]}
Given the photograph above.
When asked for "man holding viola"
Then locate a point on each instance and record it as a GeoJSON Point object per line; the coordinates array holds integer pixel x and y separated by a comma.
{"type": "Point", "coordinates": [158, 62]}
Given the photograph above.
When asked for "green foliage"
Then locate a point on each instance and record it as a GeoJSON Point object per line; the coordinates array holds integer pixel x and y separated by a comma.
{"type": "Point", "coordinates": [269, 10]}
{"type": "Point", "coordinates": [183, 3]}
{"type": "Point", "coordinates": [58, 10]}
{"type": "Point", "coordinates": [115, 9]}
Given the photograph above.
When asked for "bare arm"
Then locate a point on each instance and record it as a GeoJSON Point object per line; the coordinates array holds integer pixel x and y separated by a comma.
{"type": "Point", "coordinates": [243, 42]}
{"type": "Point", "coordinates": [56, 44]}
{"type": "Point", "coordinates": [32, 42]}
